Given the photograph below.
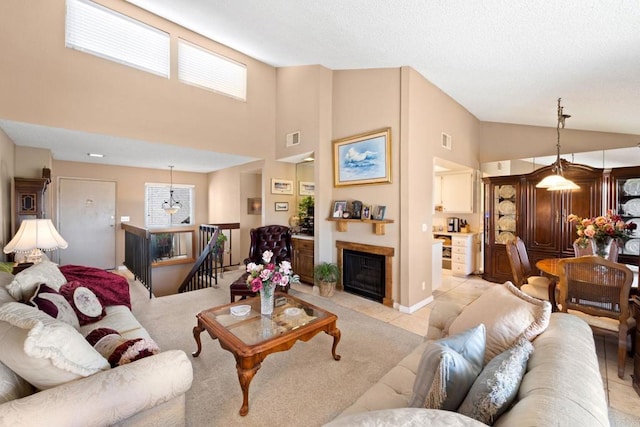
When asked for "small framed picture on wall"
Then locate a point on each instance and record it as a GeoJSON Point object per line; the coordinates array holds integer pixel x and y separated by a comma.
{"type": "Point", "coordinates": [281, 206]}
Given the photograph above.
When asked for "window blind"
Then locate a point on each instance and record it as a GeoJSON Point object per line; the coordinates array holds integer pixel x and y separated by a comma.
{"type": "Point", "coordinates": [111, 35]}
{"type": "Point", "coordinates": [201, 67]}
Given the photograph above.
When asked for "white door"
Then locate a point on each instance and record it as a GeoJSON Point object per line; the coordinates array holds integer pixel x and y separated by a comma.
{"type": "Point", "coordinates": [87, 212]}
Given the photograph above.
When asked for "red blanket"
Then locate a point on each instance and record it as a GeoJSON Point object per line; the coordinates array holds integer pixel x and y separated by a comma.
{"type": "Point", "coordinates": [110, 288]}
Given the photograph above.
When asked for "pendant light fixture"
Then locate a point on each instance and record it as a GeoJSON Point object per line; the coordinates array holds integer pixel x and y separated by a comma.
{"type": "Point", "coordinates": [557, 181]}
{"type": "Point", "coordinates": [172, 206]}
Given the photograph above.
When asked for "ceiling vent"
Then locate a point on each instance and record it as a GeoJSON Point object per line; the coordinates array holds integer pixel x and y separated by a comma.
{"type": "Point", "coordinates": [293, 139]}
{"type": "Point", "coordinates": [446, 141]}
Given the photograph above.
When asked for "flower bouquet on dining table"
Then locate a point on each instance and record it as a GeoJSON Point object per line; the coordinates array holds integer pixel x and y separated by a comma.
{"type": "Point", "coordinates": [601, 228]}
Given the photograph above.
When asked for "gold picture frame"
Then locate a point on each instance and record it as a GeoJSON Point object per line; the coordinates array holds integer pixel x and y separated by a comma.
{"type": "Point", "coordinates": [362, 159]}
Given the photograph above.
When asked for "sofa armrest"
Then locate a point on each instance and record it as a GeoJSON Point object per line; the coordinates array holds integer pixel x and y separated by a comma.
{"type": "Point", "coordinates": [442, 315]}
{"type": "Point", "coordinates": [107, 397]}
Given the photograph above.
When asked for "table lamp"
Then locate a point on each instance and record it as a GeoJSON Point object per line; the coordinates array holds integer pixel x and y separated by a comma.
{"type": "Point", "coordinates": [35, 236]}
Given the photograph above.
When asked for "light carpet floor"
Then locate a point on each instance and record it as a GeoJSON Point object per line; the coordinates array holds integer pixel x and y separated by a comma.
{"type": "Point", "coordinates": [302, 386]}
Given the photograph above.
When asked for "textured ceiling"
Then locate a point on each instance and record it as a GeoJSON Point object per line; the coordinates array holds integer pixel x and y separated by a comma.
{"type": "Point", "coordinates": [503, 60]}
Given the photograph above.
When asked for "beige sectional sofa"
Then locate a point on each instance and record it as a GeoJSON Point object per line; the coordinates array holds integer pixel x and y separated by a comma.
{"type": "Point", "coordinates": [562, 385]}
{"type": "Point", "coordinates": [148, 391]}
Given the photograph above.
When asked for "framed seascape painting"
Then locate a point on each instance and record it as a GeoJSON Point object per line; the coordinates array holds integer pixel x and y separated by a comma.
{"type": "Point", "coordinates": [362, 159]}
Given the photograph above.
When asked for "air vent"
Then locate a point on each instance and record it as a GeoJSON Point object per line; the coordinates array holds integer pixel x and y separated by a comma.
{"type": "Point", "coordinates": [293, 139]}
{"type": "Point", "coordinates": [446, 141]}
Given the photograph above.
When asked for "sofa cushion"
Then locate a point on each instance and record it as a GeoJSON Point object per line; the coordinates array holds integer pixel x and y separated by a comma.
{"type": "Point", "coordinates": [405, 417]}
{"type": "Point", "coordinates": [122, 320]}
{"type": "Point", "coordinates": [508, 314]}
{"type": "Point", "coordinates": [44, 351]}
{"type": "Point", "coordinates": [24, 284]}
{"type": "Point", "coordinates": [118, 350]}
{"type": "Point", "coordinates": [12, 386]}
{"type": "Point", "coordinates": [497, 385]}
{"type": "Point", "coordinates": [84, 301]}
{"type": "Point", "coordinates": [55, 305]}
{"type": "Point", "coordinates": [447, 370]}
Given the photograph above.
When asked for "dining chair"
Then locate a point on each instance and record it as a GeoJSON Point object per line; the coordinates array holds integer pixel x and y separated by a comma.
{"type": "Point", "coordinates": [588, 250]}
{"type": "Point", "coordinates": [275, 238]}
{"type": "Point", "coordinates": [597, 290]}
{"type": "Point", "coordinates": [523, 275]}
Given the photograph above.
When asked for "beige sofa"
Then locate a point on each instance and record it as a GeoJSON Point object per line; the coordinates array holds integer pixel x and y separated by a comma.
{"type": "Point", "coordinates": [562, 385]}
{"type": "Point", "coordinates": [148, 391]}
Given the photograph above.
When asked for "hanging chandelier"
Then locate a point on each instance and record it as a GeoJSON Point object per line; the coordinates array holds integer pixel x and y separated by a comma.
{"type": "Point", "coordinates": [557, 181]}
{"type": "Point", "coordinates": [172, 206]}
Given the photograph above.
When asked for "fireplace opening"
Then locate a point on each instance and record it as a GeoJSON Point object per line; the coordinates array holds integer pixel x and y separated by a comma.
{"type": "Point", "coordinates": [364, 274]}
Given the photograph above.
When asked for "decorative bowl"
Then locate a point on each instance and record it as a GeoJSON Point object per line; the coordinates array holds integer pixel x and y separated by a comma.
{"type": "Point", "coordinates": [240, 310]}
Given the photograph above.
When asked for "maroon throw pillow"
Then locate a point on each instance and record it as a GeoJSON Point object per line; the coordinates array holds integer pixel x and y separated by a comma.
{"type": "Point", "coordinates": [50, 301]}
{"type": "Point", "coordinates": [86, 304]}
{"type": "Point", "coordinates": [119, 350]}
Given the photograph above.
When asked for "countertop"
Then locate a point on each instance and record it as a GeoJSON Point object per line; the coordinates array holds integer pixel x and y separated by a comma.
{"type": "Point", "coordinates": [451, 233]}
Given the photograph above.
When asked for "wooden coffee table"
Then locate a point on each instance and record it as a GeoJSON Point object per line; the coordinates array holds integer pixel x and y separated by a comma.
{"type": "Point", "coordinates": [251, 338]}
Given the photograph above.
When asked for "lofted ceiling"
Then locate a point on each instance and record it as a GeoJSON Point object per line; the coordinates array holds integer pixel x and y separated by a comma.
{"type": "Point", "coordinates": [503, 60]}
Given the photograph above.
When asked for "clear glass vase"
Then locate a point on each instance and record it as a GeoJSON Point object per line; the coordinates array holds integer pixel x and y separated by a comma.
{"type": "Point", "coordinates": [266, 299]}
{"type": "Point", "coordinates": [602, 247]}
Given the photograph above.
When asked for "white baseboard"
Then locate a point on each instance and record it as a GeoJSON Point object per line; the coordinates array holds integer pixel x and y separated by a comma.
{"type": "Point", "coordinates": [414, 307]}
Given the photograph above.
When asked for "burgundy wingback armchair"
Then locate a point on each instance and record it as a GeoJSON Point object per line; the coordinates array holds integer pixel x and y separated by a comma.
{"type": "Point", "coordinates": [275, 238]}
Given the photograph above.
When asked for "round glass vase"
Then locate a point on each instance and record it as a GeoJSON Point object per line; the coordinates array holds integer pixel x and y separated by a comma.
{"type": "Point", "coordinates": [602, 247]}
{"type": "Point", "coordinates": [266, 299]}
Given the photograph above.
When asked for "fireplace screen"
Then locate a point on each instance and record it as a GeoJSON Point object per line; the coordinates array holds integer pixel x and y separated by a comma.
{"type": "Point", "coordinates": [364, 274]}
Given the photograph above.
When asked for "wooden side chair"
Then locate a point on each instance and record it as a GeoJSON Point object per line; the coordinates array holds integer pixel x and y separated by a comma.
{"type": "Point", "coordinates": [597, 290]}
{"type": "Point", "coordinates": [523, 275]}
{"type": "Point", "coordinates": [277, 239]}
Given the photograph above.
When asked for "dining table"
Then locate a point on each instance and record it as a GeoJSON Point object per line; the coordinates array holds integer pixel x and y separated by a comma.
{"type": "Point", "coordinates": [549, 266]}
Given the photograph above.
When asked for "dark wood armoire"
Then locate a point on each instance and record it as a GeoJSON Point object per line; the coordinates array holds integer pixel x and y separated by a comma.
{"type": "Point", "coordinates": [513, 206]}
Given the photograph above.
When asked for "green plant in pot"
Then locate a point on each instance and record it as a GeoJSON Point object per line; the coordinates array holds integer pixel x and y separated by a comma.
{"type": "Point", "coordinates": [326, 275]}
{"type": "Point", "coordinates": [218, 247]}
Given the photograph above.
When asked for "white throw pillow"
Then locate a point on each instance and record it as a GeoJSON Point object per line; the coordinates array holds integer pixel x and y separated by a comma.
{"type": "Point", "coordinates": [24, 284]}
{"type": "Point", "coordinates": [44, 351]}
{"type": "Point", "coordinates": [507, 314]}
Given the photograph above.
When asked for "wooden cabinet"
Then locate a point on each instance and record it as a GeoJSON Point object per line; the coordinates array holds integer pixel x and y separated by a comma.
{"type": "Point", "coordinates": [540, 215]}
{"type": "Point", "coordinates": [29, 199]}
{"type": "Point", "coordinates": [625, 200]}
{"type": "Point", "coordinates": [546, 231]}
{"type": "Point", "coordinates": [502, 217]}
{"type": "Point", "coordinates": [635, 307]}
{"type": "Point", "coordinates": [302, 262]}
{"type": "Point", "coordinates": [453, 192]}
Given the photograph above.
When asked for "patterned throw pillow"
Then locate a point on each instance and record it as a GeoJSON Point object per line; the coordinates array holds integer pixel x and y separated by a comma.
{"type": "Point", "coordinates": [55, 305]}
{"type": "Point", "coordinates": [497, 385]}
{"type": "Point", "coordinates": [24, 284]}
{"type": "Point", "coordinates": [508, 314]}
{"type": "Point", "coordinates": [85, 303]}
{"type": "Point", "coordinates": [118, 350]}
{"type": "Point", "coordinates": [447, 369]}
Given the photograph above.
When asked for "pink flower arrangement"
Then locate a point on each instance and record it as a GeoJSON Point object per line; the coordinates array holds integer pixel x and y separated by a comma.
{"type": "Point", "coordinates": [266, 276]}
{"type": "Point", "coordinates": [601, 227]}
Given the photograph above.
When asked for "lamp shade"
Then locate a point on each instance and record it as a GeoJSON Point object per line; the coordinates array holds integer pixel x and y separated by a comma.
{"type": "Point", "coordinates": [36, 234]}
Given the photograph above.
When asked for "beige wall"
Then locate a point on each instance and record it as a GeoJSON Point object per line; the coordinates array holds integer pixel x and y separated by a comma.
{"type": "Point", "coordinates": [130, 191]}
{"type": "Point", "coordinates": [503, 141]}
{"type": "Point", "coordinates": [427, 112]}
{"type": "Point", "coordinates": [7, 150]}
{"type": "Point", "coordinates": [47, 84]}
{"type": "Point", "coordinates": [363, 101]}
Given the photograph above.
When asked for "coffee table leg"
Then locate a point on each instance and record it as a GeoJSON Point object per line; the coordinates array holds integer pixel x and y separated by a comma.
{"type": "Point", "coordinates": [196, 335]}
{"type": "Point", "coordinates": [335, 333]}
{"type": "Point", "coordinates": [245, 376]}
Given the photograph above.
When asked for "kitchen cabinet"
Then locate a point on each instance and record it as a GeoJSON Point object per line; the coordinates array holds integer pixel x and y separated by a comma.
{"type": "Point", "coordinates": [453, 192]}
{"type": "Point", "coordinates": [458, 252]}
{"type": "Point", "coordinates": [302, 262]}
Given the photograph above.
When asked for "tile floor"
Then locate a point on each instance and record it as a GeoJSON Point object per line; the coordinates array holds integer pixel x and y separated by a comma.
{"type": "Point", "coordinates": [463, 290]}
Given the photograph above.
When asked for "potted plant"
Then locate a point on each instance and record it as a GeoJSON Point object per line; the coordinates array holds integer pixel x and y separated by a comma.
{"type": "Point", "coordinates": [326, 275]}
